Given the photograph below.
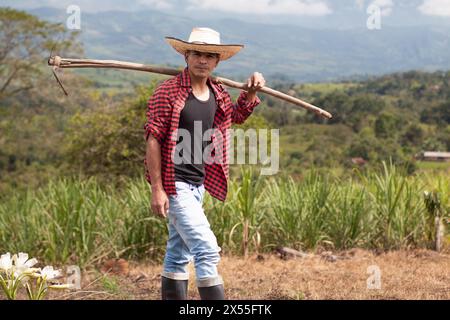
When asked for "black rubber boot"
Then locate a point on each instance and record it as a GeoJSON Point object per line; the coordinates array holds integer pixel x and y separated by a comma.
{"type": "Point", "coordinates": [173, 289]}
{"type": "Point", "coordinates": [212, 293]}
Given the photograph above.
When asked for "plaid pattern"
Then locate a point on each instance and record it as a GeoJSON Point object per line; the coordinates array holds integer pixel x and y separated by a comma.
{"type": "Point", "coordinates": [163, 116]}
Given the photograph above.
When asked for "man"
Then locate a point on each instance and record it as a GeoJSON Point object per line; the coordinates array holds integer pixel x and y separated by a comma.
{"type": "Point", "coordinates": [180, 113]}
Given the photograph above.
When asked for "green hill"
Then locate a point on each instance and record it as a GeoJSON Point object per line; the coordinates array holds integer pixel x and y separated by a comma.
{"type": "Point", "coordinates": [281, 51]}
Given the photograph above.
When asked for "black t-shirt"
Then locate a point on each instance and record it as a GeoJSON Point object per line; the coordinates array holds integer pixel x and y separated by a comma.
{"type": "Point", "coordinates": [196, 117]}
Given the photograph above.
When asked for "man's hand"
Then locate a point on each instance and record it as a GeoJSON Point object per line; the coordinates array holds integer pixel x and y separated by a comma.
{"type": "Point", "coordinates": [160, 202]}
{"type": "Point", "coordinates": [254, 83]}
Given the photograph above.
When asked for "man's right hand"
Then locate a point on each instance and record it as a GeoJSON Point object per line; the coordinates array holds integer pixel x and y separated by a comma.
{"type": "Point", "coordinates": [160, 202]}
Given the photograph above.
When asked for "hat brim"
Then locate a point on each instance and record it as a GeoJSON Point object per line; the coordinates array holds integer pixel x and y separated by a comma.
{"type": "Point", "coordinates": [225, 51]}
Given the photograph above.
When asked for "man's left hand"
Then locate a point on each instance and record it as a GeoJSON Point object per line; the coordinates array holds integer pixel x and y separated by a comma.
{"type": "Point", "coordinates": [254, 83]}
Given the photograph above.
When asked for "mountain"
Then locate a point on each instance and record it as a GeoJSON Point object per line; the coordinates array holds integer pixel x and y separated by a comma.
{"type": "Point", "coordinates": [283, 51]}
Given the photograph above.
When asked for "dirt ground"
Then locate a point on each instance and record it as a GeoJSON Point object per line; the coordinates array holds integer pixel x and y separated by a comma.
{"type": "Point", "coordinates": [352, 274]}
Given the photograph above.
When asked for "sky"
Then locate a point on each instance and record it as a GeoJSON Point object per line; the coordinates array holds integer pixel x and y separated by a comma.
{"type": "Point", "coordinates": [286, 10]}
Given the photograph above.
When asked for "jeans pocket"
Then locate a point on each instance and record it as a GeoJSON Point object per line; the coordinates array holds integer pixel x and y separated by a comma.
{"type": "Point", "coordinates": [201, 190]}
{"type": "Point", "coordinates": [180, 188]}
{"type": "Point", "coordinates": [179, 185]}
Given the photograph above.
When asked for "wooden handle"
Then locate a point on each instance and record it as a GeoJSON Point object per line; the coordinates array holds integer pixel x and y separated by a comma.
{"type": "Point", "coordinates": [89, 63]}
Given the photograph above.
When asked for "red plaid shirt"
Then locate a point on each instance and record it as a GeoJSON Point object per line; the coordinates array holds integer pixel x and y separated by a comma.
{"type": "Point", "coordinates": [163, 116]}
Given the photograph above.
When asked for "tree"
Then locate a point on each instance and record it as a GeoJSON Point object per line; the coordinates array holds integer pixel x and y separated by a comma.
{"type": "Point", "coordinates": [413, 135]}
{"type": "Point", "coordinates": [362, 146]}
{"type": "Point", "coordinates": [339, 104]}
{"type": "Point", "coordinates": [439, 114]}
{"type": "Point", "coordinates": [433, 144]}
{"type": "Point", "coordinates": [443, 135]}
{"type": "Point", "coordinates": [362, 106]}
{"type": "Point", "coordinates": [109, 141]}
{"type": "Point", "coordinates": [25, 44]}
{"type": "Point", "coordinates": [385, 125]}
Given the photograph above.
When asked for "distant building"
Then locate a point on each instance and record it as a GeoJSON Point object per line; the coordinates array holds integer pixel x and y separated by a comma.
{"type": "Point", "coordinates": [433, 156]}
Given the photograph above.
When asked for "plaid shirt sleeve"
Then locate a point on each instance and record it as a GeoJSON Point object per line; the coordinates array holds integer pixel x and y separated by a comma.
{"type": "Point", "coordinates": [158, 115]}
{"type": "Point", "coordinates": [243, 109]}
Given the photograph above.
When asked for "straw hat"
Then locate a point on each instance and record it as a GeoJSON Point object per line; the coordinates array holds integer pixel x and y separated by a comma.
{"type": "Point", "coordinates": [205, 40]}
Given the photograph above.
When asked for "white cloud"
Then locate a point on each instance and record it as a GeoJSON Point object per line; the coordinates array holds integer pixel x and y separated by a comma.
{"type": "Point", "coordinates": [293, 7]}
{"type": "Point", "coordinates": [435, 8]}
{"type": "Point", "coordinates": [385, 6]}
{"type": "Point", "coordinates": [156, 4]}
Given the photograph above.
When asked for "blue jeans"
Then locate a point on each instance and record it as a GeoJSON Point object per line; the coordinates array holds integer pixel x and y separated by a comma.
{"type": "Point", "coordinates": [190, 236]}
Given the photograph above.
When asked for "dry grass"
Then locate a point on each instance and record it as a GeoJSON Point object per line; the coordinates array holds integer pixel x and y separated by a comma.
{"type": "Point", "coordinates": [416, 274]}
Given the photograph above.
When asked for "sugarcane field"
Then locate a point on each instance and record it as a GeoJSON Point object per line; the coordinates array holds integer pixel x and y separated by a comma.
{"type": "Point", "coordinates": [264, 153]}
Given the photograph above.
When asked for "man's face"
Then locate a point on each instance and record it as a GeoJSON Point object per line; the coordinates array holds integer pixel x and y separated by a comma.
{"type": "Point", "coordinates": [201, 64]}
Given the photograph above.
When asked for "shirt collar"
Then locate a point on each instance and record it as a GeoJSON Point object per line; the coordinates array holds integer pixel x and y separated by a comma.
{"type": "Point", "coordinates": [185, 78]}
{"type": "Point", "coordinates": [186, 82]}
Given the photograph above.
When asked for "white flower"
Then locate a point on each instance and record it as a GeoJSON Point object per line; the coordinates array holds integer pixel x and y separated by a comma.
{"type": "Point", "coordinates": [49, 273]}
{"type": "Point", "coordinates": [22, 264]}
{"type": "Point", "coordinates": [5, 262]}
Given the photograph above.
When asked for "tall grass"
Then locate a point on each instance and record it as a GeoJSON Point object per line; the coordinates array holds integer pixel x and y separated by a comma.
{"type": "Point", "coordinates": [286, 214]}
{"type": "Point", "coordinates": [83, 222]}
{"type": "Point", "coordinates": [247, 205]}
{"type": "Point", "coordinates": [349, 216]}
{"type": "Point", "coordinates": [397, 208]}
{"type": "Point", "coordinates": [72, 221]}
